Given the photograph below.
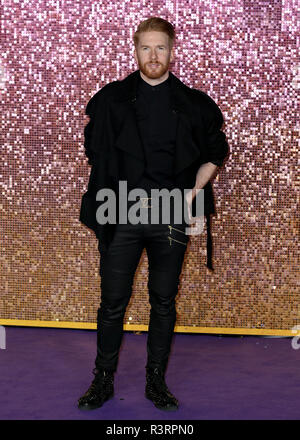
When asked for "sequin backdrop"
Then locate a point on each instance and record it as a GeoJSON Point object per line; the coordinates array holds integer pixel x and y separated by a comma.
{"type": "Point", "coordinates": [54, 56]}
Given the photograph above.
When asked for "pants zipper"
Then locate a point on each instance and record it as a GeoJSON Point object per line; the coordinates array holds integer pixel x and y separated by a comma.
{"type": "Point", "coordinates": [178, 241]}
{"type": "Point", "coordinates": [171, 238]}
{"type": "Point", "coordinates": [172, 227]}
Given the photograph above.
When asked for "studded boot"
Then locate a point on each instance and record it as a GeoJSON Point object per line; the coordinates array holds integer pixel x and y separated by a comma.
{"type": "Point", "coordinates": [157, 390]}
{"type": "Point", "coordinates": [100, 390]}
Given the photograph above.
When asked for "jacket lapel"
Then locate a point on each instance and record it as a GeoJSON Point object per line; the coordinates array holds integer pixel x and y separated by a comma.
{"type": "Point", "coordinates": [186, 151]}
{"type": "Point", "coordinates": [129, 138]}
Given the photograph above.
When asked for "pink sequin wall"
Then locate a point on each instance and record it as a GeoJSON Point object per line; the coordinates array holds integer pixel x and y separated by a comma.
{"type": "Point", "coordinates": [244, 54]}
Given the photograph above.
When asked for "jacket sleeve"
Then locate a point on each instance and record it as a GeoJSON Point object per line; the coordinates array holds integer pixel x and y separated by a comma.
{"type": "Point", "coordinates": [216, 146]}
{"type": "Point", "coordinates": [96, 109]}
{"type": "Point", "coordinates": [90, 111]}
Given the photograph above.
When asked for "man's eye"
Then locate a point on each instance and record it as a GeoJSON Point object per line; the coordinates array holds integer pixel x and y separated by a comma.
{"type": "Point", "coordinates": [143, 48]}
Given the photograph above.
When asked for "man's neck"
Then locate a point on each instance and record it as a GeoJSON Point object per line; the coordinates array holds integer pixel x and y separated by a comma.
{"type": "Point", "coordinates": [154, 81]}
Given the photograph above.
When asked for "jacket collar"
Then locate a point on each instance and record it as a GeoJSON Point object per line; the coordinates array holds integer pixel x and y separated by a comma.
{"type": "Point", "coordinates": [186, 151]}
{"type": "Point", "coordinates": [128, 90]}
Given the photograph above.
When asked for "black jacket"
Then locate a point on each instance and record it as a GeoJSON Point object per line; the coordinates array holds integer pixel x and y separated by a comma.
{"type": "Point", "coordinates": [115, 152]}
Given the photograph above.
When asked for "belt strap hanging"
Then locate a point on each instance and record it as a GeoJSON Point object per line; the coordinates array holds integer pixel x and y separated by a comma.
{"type": "Point", "coordinates": [208, 243]}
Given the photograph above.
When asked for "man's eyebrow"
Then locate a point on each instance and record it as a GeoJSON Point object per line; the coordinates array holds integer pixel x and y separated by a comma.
{"type": "Point", "coordinates": [159, 45]}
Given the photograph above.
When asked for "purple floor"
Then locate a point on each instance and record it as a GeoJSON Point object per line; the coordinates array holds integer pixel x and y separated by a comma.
{"type": "Point", "coordinates": [43, 371]}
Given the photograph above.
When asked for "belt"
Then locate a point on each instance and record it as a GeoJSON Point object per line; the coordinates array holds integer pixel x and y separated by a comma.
{"type": "Point", "coordinates": [145, 202]}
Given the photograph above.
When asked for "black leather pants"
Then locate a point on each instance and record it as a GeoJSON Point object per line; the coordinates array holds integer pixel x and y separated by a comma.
{"type": "Point", "coordinates": [165, 249]}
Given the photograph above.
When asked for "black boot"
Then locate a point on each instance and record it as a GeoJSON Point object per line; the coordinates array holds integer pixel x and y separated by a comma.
{"type": "Point", "coordinates": [101, 389]}
{"type": "Point", "coordinates": [158, 392]}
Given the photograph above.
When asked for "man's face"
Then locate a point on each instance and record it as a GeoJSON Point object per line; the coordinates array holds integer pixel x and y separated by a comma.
{"type": "Point", "coordinates": [153, 54]}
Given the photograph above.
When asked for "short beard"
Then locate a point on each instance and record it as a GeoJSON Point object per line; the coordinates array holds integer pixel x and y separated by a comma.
{"type": "Point", "coordinates": [155, 73]}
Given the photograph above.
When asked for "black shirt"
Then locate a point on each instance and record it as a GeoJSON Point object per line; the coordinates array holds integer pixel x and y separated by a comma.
{"type": "Point", "coordinates": [157, 125]}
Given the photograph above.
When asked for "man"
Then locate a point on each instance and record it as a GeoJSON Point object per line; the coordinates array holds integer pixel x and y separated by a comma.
{"type": "Point", "coordinates": [151, 131]}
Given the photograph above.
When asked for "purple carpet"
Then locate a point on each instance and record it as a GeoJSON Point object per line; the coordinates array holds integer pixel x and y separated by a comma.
{"type": "Point", "coordinates": [43, 371]}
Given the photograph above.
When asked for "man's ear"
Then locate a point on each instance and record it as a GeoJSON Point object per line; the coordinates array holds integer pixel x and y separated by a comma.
{"type": "Point", "coordinates": [135, 57]}
{"type": "Point", "coordinates": [172, 56]}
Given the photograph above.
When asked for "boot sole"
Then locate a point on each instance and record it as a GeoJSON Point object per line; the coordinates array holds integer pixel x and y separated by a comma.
{"type": "Point", "coordinates": [163, 408]}
{"type": "Point", "coordinates": [88, 407]}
